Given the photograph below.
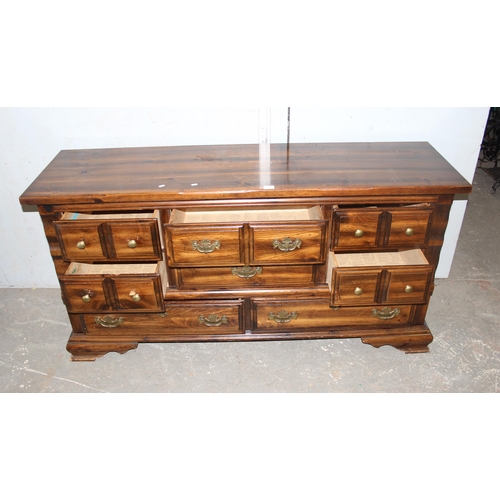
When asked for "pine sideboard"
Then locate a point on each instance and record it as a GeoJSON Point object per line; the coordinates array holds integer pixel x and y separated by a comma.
{"type": "Point", "coordinates": [226, 243]}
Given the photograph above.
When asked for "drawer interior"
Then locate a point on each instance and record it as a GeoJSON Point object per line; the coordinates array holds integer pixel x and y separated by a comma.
{"type": "Point", "coordinates": [82, 269]}
{"type": "Point", "coordinates": [413, 257]}
{"type": "Point", "coordinates": [109, 216]}
{"type": "Point", "coordinates": [248, 215]}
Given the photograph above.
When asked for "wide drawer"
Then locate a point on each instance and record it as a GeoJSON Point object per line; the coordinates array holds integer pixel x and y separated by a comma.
{"type": "Point", "coordinates": [379, 278]}
{"type": "Point", "coordinates": [204, 318]}
{"type": "Point", "coordinates": [240, 277]}
{"type": "Point", "coordinates": [109, 237]}
{"type": "Point", "coordinates": [238, 237]}
{"type": "Point", "coordinates": [293, 315]}
{"type": "Point", "coordinates": [365, 228]}
{"type": "Point", "coordinates": [103, 287]}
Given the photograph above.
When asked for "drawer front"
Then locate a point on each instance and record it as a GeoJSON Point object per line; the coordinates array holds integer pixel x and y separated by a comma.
{"type": "Point", "coordinates": [296, 243]}
{"type": "Point", "coordinates": [409, 228]}
{"type": "Point", "coordinates": [289, 315]}
{"type": "Point", "coordinates": [81, 241]}
{"type": "Point", "coordinates": [226, 278]}
{"type": "Point", "coordinates": [203, 318]}
{"type": "Point", "coordinates": [205, 245]}
{"type": "Point", "coordinates": [353, 288]}
{"type": "Point", "coordinates": [409, 286]}
{"type": "Point", "coordinates": [357, 229]}
{"type": "Point", "coordinates": [100, 293]}
{"type": "Point", "coordinates": [100, 241]}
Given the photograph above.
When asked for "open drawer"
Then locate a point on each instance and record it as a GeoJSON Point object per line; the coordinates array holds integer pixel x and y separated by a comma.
{"type": "Point", "coordinates": [233, 237]}
{"type": "Point", "coordinates": [402, 277]}
{"type": "Point", "coordinates": [102, 287]}
{"type": "Point", "coordinates": [109, 237]}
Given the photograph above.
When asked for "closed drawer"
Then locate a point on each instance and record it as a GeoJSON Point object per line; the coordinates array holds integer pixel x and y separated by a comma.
{"type": "Point", "coordinates": [278, 243]}
{"type": "Point", "coordinates": [367, 228]}
{"type": "Point", "coordinates": [197, 318]}
{"type": "Point", "coordinates": [237, 237]}
{"type": "Point", "coordinates": [240, 277]}
{"type": "Point", "coordinates": [379, 278]}
{"type": "Point", "coordinates": [105, 287]}
{"type": "Point", "coordinates": [304, 314]}
{"type": "Point", "coordinates": [96, 238]}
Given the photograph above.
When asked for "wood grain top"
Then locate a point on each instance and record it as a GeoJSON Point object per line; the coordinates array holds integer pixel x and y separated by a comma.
{"type": "Point", "coordinates": [192, 173]}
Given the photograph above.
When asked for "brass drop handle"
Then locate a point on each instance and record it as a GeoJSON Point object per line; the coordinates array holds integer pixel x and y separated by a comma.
{"type": "Point", "coordinates": [358, 233]}
{"type": "Point", "coordinates": [86, 298]}
{"type": "Point", "coordinates": [206, 246]}
{"type": "Point", "coordinates": [81, 245]}
{"type": "Point", "coordinates": [358, 291]}
{"type": "Point", "coordinates": [246, 271]}
{"type": "Point", "coordinates": [213, 320]}
{"type": "Point", "coordinates": [109, 321]}
{"type": "Point", "coordinates": [287, 244]}
{"type": "Point", "coordinates": [386, 313]}
{"type": "Point", "coordinates": [408, 289]}
{"type": "Point", "coordinates": [132, 243]}
{"type": "Point", "coordinates": [409, 231]}
{"type": "Point", "coordinates": [282, 316]}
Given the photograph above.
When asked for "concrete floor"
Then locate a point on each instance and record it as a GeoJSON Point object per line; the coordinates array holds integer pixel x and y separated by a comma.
{"type": "Point", "coordinates": [464, 317]}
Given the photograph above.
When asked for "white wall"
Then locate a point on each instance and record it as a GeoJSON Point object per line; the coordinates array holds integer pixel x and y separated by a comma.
{"type": "Point", "coordinates": [31, 137]}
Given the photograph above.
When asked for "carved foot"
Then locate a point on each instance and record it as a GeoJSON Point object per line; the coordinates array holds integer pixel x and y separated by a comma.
{"type": "Point", "coordinates": [90, 351]}
{"type": "Point", "coordinates": [413, 343]}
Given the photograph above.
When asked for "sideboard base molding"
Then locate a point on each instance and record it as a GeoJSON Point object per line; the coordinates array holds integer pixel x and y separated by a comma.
{"type": "Point", "coordinates": [410, 339]}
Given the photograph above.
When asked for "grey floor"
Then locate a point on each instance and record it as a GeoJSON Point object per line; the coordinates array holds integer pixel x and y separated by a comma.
{"type": "Point", "coordinates": [464, 317]}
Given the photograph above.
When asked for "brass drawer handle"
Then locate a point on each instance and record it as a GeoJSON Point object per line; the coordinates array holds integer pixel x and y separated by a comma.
{"type": "Point", "coordinates": [386, 313]}
{"type": "Point", "coordinates": [109, 321]}
{"type": "Point", "coordinates": [358, 233]}
{"type": "Point", "coordinates": [408, 289]}
{"type": "Point", "coordinates": [135, 296]}
{"type": "Point", "coordinates": [212, 320]}
{"type": "Point", "coordinates": [246, 271]}
{"type": "Point", "coordinates": [358, 291]}
{"type": "Point", "coordinates": [287, 244]}
{"type": "Point", "coordinates": [81, 245]}
{"type": "Point", "coordinates": [409, 231]}
{"type": "Point", "coordinates": [206, 246]}
{"type": "Point", "coordinates": [282, 316]}
{"type": "Point", "coordinates": [86, 298]}
{"type": "Point", "coordinates": [132, 243]}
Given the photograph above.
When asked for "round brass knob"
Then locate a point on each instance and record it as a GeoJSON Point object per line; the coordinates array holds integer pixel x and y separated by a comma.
{"type": "Point", "coordinates": [358, 291]}
{"type": "Point", "coordinates": [132, 243]}
{"type": "Point", "coordinates": [408, 289]}
{"type": "Point", "coordinates": [86, 298]}
{"type": "Point", "coordinates": [409, 232]}
{"type": "Point", "coordinates": [80, 245]}
{"type": "Point", "coordinates": [136, 297]}
{"type": "Point", "coordinates": [358, 233]}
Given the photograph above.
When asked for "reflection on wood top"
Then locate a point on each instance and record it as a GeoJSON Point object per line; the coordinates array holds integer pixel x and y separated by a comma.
{"type": "Point", "coordinates": [192, 173]}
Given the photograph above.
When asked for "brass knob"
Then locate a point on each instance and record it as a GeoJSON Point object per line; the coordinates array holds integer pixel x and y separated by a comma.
{"type": "Point", "coordinates": [358, 291]}
{"type": "Point", "coordinates": [80, 245]}
{"type": "Point", "coordinates": [358, 233]}
{"type": "Point", "coordinates": [86, 298]}
{"type": "Point", "coordinates": [132, 243]}
{"type": "Point", "coordinates": [408, 289]}
{"type": "Point", "coordinates": [136, 297]}
{"type": "Point", "coordinates": [409, 232]}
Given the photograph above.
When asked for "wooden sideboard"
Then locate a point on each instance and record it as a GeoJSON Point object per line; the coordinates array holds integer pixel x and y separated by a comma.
{"type": "Point", "coordinates": [219, 243]}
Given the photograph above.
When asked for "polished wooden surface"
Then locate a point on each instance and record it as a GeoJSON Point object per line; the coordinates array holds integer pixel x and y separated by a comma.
{"type": "Point", "coordinates": [227, 171]}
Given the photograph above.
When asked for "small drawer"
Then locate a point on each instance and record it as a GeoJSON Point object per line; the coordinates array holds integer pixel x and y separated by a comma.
{"type": "Point", "coordinates": [200, 319]}
{"type": "Point", "coordinates": [371, 228]}
{"type": "Point", "coordinates": [243, 277]}
{"type": "Point", "coordinates": [204, 245]}
{"type": "Point", "coordinates": [379, 278]}
{"type": "Point", "coordinates": [278, 243]}
{"type": "Point", "coordinates": [309, 314]}
{"type": "Point", "coordinates": [104, 237]}
{"type": "Point", "coordinates": [106, 287]}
